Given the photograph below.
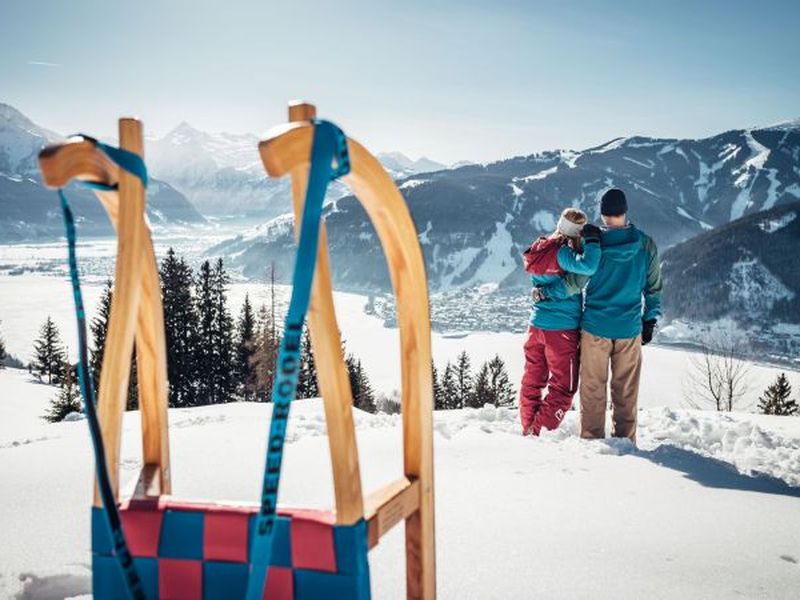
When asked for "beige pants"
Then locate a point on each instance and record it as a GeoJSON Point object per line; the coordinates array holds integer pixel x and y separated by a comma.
{"type": "Point", "coordinates": [625, 356]}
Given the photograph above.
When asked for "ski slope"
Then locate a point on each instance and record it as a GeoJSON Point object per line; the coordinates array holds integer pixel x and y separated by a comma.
{"type": "Point", "coordinates": [707, 507]}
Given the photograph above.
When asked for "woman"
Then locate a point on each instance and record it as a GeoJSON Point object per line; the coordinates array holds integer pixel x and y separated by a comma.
{"type": "Point", "coordinates": [551, 351]}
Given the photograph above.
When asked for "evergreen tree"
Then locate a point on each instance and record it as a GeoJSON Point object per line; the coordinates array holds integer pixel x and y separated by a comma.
{"type": "Point", "coordinates": [49, 353]}
{"type": "Point", "coordinates": [205, 346]}
{"type": "Point", "coordinates": [449, 397]}
{"type": "Point", "coordinates": [482, 392]}
{"type": "Point", "coordinates": [99, 330]}
{"type": "Point", "coordinates": [245, 350]}
{"type": "Point", "coordinates": [265, 355]}
{"type": "Point", "coordinates": [68, 399]}
{"type": "Point", "coordinates": [307, 386]}
{"type": "Point", "coordinates": [3, 354]}
{"type": "Point", "coordinates": [463, 380]}
{"type": "Point", "coordinates": [224, 363]}
{"type": "Point", "coordinates": [363, 396]}
{"type": "Point", "coordinates": [502, 392]}
{"type": "Point", "coordinates": [438, 393]}
{"type": "Point", "coordinates": [776, 401]}
{"type": "Point", "coordinates": [180, 328]}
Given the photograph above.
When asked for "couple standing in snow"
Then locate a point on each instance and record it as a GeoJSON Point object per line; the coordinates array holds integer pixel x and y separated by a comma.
{"type": "Point", "coordinates": [596, 298]}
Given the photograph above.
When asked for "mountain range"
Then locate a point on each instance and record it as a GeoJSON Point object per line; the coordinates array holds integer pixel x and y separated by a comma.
{"type": "Point", "coordinates": [745, 270]}
{"type": "Point", "coordinates": [30, 211]}
{"type": "Point", "coordinates": [474, 221]}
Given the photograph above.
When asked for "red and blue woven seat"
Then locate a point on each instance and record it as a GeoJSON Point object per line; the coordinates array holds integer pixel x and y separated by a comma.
{"type": "Point", "coordinates": [200, 551]}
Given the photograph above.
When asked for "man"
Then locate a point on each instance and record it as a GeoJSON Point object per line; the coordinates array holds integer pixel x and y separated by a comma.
{"type": "Point", "coordinates": [622, 303]}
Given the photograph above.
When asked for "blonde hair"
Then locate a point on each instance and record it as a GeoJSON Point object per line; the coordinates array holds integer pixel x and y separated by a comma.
{"type": "Point", "coordinates": [573, 215]}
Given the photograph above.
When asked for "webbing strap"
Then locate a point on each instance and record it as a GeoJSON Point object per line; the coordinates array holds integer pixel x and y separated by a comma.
{"type": "Point", "coordinates": [329, 144]}
{"type": "Point", "coordinates": [133, 164]}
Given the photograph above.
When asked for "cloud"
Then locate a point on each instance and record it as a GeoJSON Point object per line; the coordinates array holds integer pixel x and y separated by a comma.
{"type": "Point", "coordinates": [40, 63]}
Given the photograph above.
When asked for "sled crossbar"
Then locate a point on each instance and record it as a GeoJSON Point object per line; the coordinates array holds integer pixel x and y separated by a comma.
{"type": "Point", "coordinates": [388, 506]}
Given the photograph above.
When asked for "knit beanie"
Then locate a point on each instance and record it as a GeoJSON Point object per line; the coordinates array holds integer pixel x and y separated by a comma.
{"type": "Point", "coordinates": [613, 203]}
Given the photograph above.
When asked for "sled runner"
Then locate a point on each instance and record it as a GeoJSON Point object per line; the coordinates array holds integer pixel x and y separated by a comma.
{"type": "Point", "coordinates": [154, 546]}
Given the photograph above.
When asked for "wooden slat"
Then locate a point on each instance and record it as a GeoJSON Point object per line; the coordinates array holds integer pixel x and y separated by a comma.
{"type": "Point", "coordinates": [148, 486]}
{"type": "Point", "coordinates": [138, 292]}
{"type": "Point", "coordinates": [286, 149]}
{"type": "Point", "coordinates": [115, 373]}
{"type": "Point", "coordinates": [388, 506]}
{"type": "Point", "coordinates": [332, 375]}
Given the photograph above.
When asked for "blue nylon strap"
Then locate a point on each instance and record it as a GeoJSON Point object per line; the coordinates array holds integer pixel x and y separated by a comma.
{"type": "Point", "coordinates": [329, 144]}
{"type": "Point", "coordinates": [133, 583]}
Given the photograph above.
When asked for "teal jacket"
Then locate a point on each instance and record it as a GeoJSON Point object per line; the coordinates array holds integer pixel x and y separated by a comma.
{"type": "Point", "coordinates": [624, 290]}
{"type": "Point", "coordinates": [565, 312]}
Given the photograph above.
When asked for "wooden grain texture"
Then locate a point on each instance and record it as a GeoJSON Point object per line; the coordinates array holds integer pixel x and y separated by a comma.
{"type": "Point", "coordinates": [326, 343]}
{"type": "Point", "coordinates": [139, 289]}
{"type": "Point", "coordinates": [288, 148]}
{"type": "Point", "coordinates": [388, 506]}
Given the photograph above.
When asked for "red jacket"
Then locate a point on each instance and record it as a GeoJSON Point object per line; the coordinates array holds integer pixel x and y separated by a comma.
{"type": "Point", "coordinates": [542, 256]}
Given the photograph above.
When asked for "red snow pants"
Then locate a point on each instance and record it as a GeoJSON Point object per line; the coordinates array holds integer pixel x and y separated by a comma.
{"type": "Point", "coordinates": [551, 360]}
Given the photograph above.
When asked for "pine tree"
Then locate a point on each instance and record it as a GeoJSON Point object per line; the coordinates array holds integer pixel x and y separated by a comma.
{"type": "Point", "coordinates": [482, 392]}
{"type": "Point", "coordinates": [449, 397]}
{"type": "Point", "coordinates": [49, 353]}
{"type": "Point", "coordinates": [245, 350]}
{"type": "Point", "coordinates": [180, 328]}
{"type": "Point", "coordinates": [363, 396]}
{"type": "Point", "coordinates": [307, 386]}
{"type": "Point", "coordinates": [204, 355]}
{"type": "Point", "coordinates": [776, 401]}
{"type": "Point", "coordinates": [224, 363]}
{"type": "Point", "coordinates": [265, 355]}
{"type": "Point", "coordinates": [99, 331]}
{"type": "Point", "coordinates": [68, 399]}
{"type": "Point", "coordinates": [463, 380]}
{"type": "Point", "coordinates": [438, 396]}
{"type": "Point", "coordinates": [503, 393]}
{"type": "Point", "coordinates": [3, 354]}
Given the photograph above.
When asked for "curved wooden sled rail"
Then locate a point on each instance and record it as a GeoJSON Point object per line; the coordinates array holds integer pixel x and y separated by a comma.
{"type": "Point", "coordinates": [287, 150]}
{"type": "Point", "coordinates": [136, 309]}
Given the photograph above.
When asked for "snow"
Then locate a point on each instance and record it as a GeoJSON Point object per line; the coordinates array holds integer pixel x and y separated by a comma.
{"type": "Point", "coordinates": [647, 165]}
{"type": "Point", "coordinates": [612, 145]}
{"type": "Point", "coordinates": [28, 299]}
{"type": "Point", "coordinates": [753, 287]}
{"type": "Point", "coordinates": [500, 261]}
{"type": "Point", "coordinates": [544, 220]}
{"type": "Point", "coordinates": [412, 183]}
{"type": "Point", "coordinates": [748, 173]}
{"type": "Point", "coordinates": [773, 225]}
{"type": "Point", "coordinates": [516, 190]}
{"type": "Point", "coordinates": [707, 506]}
{"type": "Point", "coordinates": [686, 215]}
{"type": "Point", "coordinates": [539, 175]}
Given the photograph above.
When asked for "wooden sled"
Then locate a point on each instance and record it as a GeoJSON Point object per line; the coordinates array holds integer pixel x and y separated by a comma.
{"type": "Point", "coordinates": [153, 521]}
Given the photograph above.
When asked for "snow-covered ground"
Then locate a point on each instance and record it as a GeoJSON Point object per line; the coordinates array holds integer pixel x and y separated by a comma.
{"type": "Point", "coordinates": [708, 506]}
{"type": "Point", "coordinates": [27, 299]}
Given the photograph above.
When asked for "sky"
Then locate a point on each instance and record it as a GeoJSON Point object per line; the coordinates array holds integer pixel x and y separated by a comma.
{"type": "Point", "coordinates": [451, 80]}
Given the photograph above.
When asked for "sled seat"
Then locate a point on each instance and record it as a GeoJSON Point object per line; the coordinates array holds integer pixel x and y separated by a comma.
{"type": "Point", "coordinates": [184, 549]}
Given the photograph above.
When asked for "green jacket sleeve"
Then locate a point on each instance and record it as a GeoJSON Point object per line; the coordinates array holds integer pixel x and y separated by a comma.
{"type": "Point", "coordinates": [652, 288]}
{"type": "Point", "coordinates": [584, 263]}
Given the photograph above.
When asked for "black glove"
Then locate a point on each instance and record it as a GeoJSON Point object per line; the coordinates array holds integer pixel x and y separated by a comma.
{"type": "Point", "coordinates": [648, 328]}
{"type": "Point", "coordinates": [591, 233]}
{"type": "Point", "coordinates": [538, 295]}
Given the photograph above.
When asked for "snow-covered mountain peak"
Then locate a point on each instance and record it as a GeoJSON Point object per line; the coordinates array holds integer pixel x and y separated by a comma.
{"type": "Point", "coordinates": [786, 125]}
{"type": "Point", "coordinates": [20, 142]}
